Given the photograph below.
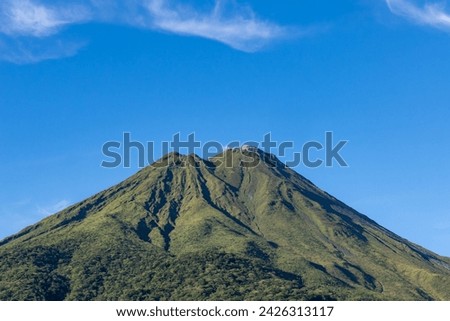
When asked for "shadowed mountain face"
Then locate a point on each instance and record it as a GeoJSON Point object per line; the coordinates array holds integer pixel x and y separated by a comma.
{"type": "Point", "coordinates": [240, 226]}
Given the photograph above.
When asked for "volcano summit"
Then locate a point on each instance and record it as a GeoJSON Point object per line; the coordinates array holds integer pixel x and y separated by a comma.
{"type": "Point", "coordinates": [196, 229]}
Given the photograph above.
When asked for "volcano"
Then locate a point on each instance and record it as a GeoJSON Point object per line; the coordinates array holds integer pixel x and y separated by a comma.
{"type": "Point", "coordinates": [238, 226]}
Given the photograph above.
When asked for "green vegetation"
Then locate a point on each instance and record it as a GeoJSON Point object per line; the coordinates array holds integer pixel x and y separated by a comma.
{"type": "Point", "coordinates": [200, 230]}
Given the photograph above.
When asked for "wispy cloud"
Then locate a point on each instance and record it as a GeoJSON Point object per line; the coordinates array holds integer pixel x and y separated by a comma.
{"type": "Point", "coordinates": [26, 50]}
{"type": "Point", "coordinates": [53, 208]}
{"type": "Point", "coordinates": [31, 18]}
{"type": "Point", "coordinates": [237, 27]}
{"type": "Point", "coordinates": [29, 30]}
{"type": "Point", "coordinates": [17, 215]}
{"type": "Point", "coordinates": [431, 14]}
{"type": "Point", "coordinates": [32, 30]}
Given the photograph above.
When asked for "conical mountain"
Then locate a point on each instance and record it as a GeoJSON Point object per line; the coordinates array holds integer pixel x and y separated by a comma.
{"type": "Point", "coordinates": [239, 226]}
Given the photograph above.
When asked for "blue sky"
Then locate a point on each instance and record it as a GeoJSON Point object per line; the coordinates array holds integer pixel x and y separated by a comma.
{"type": "Point", "coordinates": [75, 74]}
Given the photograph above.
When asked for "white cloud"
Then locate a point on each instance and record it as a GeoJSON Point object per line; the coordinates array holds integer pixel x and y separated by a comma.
{"type": "Point", "coordinates": [432, 14]}
{"type": "Point", "coordinates": [239, 29]}
{"type": "Point", "coordinates": [53, 208]}
{"type": "Point", "coordinates": [21, 213]}
{"type": "Point", "coordinates": [31, 18]}
{"type": "Point", "coordinates": [26, 50]}
{"type": "Point", "coordinates": [31, 30]}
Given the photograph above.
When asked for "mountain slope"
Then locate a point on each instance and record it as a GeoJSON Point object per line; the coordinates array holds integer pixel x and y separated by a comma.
{"type": "Point", "coordinates": [237, 226]}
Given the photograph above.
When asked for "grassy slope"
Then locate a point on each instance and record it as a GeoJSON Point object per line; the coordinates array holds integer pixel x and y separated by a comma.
{"type": "Point", "coordinates": [216, 232]}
